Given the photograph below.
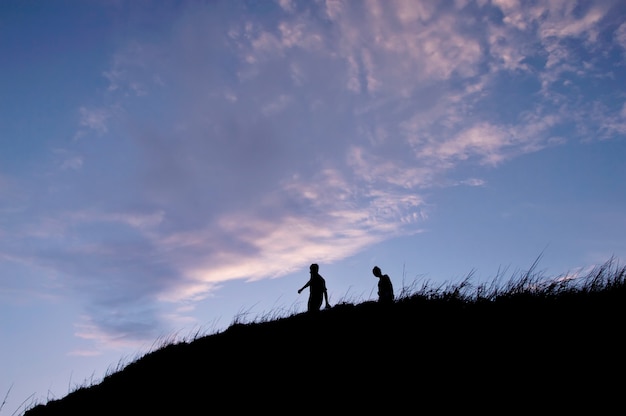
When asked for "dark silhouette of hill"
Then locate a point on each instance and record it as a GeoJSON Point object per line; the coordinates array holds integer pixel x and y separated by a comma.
{"type": "Point", "coordinates": [540, 345]}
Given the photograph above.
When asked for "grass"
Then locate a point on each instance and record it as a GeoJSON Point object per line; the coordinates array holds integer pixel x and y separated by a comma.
{"type": "Point", "coordinates": [508, 344]}
{"type": "Point", "coordinates": [26, 403]}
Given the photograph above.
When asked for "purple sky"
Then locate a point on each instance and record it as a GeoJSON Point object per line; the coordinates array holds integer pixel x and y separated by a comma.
{"type": "Point", "coordinates": [167, 167]}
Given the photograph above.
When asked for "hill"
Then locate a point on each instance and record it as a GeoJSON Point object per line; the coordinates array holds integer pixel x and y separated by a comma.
{"type": "Point", "coordinates": [533, 345]}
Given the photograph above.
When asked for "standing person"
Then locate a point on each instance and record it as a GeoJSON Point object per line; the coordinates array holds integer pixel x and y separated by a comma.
{"type": "Point", "coordinates": [317, 290]}
{"type": "Point", "coordinates": [385, 288]}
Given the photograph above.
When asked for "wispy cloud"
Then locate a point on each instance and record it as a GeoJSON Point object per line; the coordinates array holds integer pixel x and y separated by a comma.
{"type": "Point", "coordinates": [620, 35]}
{"type": "Point", "coordinates": [94, 119]}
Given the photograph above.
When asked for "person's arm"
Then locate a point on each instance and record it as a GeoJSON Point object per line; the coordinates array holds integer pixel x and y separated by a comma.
{"type": "Point", "coordinates": [390, 286]}
{"type": "Point", "coordinates": [326, 298]}
{"type": "Point", "coordinates": [304, 287]}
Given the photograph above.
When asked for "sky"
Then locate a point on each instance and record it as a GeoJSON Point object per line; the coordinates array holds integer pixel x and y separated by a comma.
{"type": "Point", "coordinates": [168, 168]}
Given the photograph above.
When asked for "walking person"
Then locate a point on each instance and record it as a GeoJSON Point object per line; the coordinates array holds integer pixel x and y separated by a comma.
{"type": "Point", "coordinates": [317, 290]}
{"type": "Point", "coordinates": [385, 288]}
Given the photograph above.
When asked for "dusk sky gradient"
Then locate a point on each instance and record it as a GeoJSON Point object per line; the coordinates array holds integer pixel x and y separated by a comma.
{"type": "Point", "coordinates": [168, 167]}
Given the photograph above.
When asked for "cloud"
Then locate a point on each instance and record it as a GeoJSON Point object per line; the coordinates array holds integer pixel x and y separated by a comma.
{"type": "Point", "coordinates": [113, 330]}
{"type": "Point", "coordinates": [68, 160]}
{"type": "Point", "coordinates": [238, 145]}
{"type": "Point", "coordinates": [620, 36]}
{"type": "Point", "coordinates": [562, 21]}
{"type": "Point", "coordinates": [73, 163]}
{"type": "Point", "coordinates": [482, 139]}
{"type": "Point", "coordinates": [94, 119]}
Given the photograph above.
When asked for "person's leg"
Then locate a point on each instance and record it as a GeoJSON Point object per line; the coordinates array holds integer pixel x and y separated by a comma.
{"type": "Point", "coordinates": [315, 303]}
{"type": "Point", "coordinates": [318, 303]}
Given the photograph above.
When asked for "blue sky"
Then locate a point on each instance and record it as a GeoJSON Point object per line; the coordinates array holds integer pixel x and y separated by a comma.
{"type": "Point", "coordinates": [167, 167]}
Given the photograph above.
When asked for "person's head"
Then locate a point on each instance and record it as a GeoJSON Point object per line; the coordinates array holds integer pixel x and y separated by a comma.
{"type": "Point", "coordinates": [376, 271]}
{"type": "Point", "coordinates": [314, 268]}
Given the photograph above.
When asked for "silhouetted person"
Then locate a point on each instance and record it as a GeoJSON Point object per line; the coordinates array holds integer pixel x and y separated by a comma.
{"type": "Point", "coordinates": [385, 288]}
{"type": "Point", "coordinates": [317, 290]}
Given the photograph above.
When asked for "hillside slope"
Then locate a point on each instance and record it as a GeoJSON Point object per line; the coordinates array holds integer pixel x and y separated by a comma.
{"type": "Point", "coordinates": [440, 353]}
